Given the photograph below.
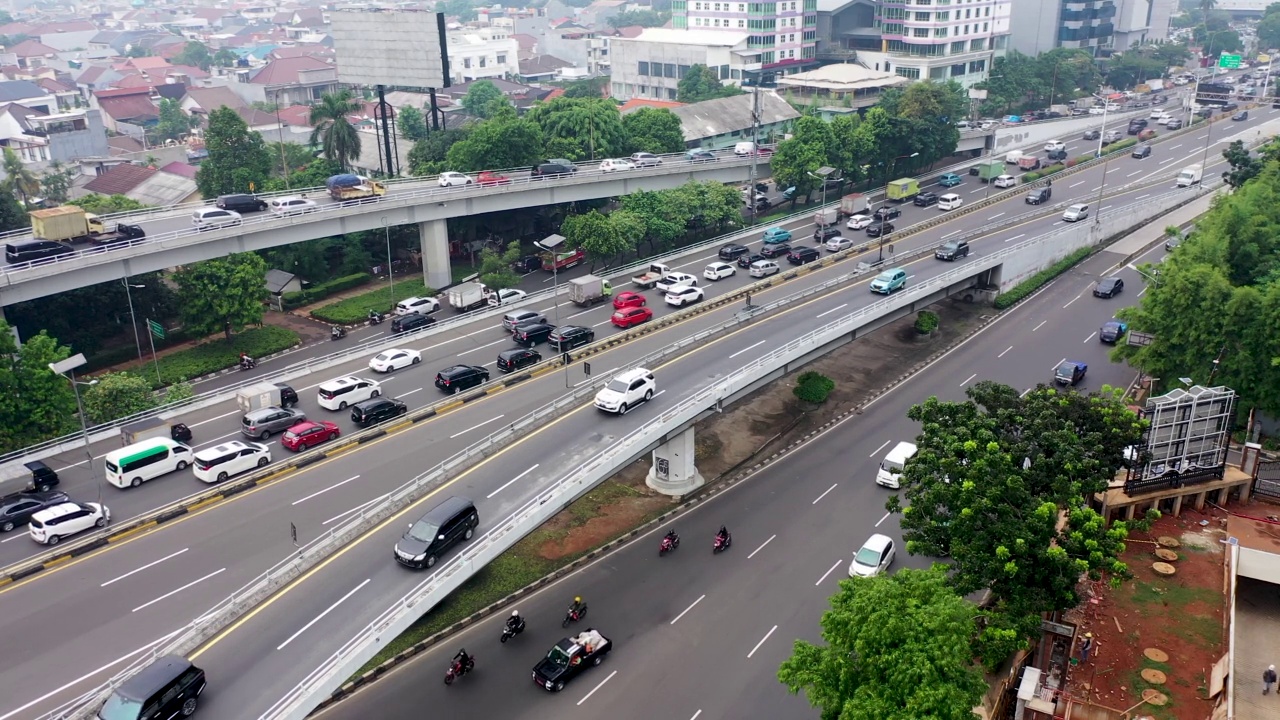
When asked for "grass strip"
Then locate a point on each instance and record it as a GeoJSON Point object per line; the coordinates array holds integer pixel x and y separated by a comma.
{"type": "Point", "coordinates": [215, 354]}
{"type": "Point", "coordinates": [356, 308]}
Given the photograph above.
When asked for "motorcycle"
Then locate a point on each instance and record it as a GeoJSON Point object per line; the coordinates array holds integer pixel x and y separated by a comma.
{"type": "Point", "coordinates": [337, 332]}
{"type": "Point", "coordinates": [375, 318]}
{"type": "Point", "coordinates": [722, 543]}
{"type": "Point", "coordinates": [574, 615]}
{"type": "Point", "coordinates": [669, 544]}
{"type": "Point", "coordinates": [248, 363]}
{"type": "Point", "coordinates": [508, 632]}
{"type": "Point", "coordinates": [457, 670]}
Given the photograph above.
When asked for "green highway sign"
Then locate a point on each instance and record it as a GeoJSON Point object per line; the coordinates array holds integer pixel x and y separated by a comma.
{"type": "Point", "coordinates": [1228, 61]}
{"type": "Point", "coordinates": [156, 329]}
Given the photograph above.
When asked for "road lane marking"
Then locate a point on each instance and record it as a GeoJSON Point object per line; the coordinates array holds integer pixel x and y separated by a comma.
{"type": "Point", "coordinates": [695, 602]}
{"type": "Point", "coordinates": [944, 237]}
{"type": "Point", "coordinates": [320, 617]}
{"type": "Point", "coordinates": [606, 322]}
{"type": "Point", "coordinates": [144, 567]}
{"type": "Point", "coordinates": [508, 483]}
{"type": "Point", "coordinates": [473, 427]}
{"type": "Point", "coordinates": [1094, 190]}
{"type": "Point", "coordinates": [1175, 147]}
{"type": "Point", "coordinates": [966, 380]}
{"type": "Point", "coordinates": [877, 450]}
{"type": "Point", "coordinates": [1135, 172]}
{"type": "Point", "coordinates": [171, 593]}
{"type": "Point", "coordinates": [841, 305]}
{"type": "Point", "coordinates": [695, 715]}
{"type": "Point", "coordinates": [753, 650]}
{"type": "Point", "coordinates": [824, 577]}
{"type": "Point", "coordinates": [1055, 365]}
{"type": "Point", "coordinates": [1073, 185]}
{"type": "Point", "coordinates": [1042, 322]}
{"type": "Point", "coordinates": [321, 492]}
{"type": "Point", "coordinates": [1015, 237]}
{"type": "Point", "coordinates": [1095, 332]}
{"type": "Point", "coordinates": [1006, 350]}
{"type": "Point", "coordinates": [1140, 292]}
{"type": "Point", "coordinates": [1143, 196]}
{"type": "Point", "coordinates": [1024, 392]}
{"type": "Point", "coordinates": [976, 191]}
{"type": "Point", "coordinates": [746, 349]}
{"type": "Point", "coordinates": [753, 553]}
{"type": "Point", "coordinates": [464, 352]}
{"type": "Point", "coordinates": [1064, 307]}
{"type": "Point", "coordinates": [597, 687]}
{"type": "Point", "coordinates": [1166, 162]}
{"type": "Point", "coordinates": [833, 487]}
{"type": "Point", "coordinates": [993, 217]}
{"type": "Point", "coordinates": [355, 509]}
{"type": "Point", "coordinates": [406, 394]}
{"type": "Point", "coordinates": [202, 422]}
{"type": "Point", "coordinates": [1057, 223]}
{"type": "Point", "coordinates": [886, 517]}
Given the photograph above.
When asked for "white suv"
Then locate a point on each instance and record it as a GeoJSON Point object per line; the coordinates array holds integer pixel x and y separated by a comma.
{"type": "Point", "coordinates": [424, 305]}
{"type": "Point", "coordinates": [216, 464]}
{"type": "Point", "coordinates": [626, 390]}
{"type": "Point", "coordinates": [50, 525]}
{"type": "Point", "coordinates": [338, 393]}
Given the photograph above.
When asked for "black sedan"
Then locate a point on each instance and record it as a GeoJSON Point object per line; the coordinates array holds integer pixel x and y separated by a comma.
{"type": "Point", "coordinates": [18, 508]}
{"type": "Point", "coordinates": [733, 251]}
{"type": "Point", "coordinates": [886, 212]}
{"type": "Point", "coordinates": [925, 199]}
{"type": "Point", "coordinates": [746, 260]}
{"type": "Point", "coordinates": [1141, 151]}
{"type": "Point", "coordinates": [1108, 287]}
{"type": "Point", "coordinates": [878, 228]}
{"type": "Point", "coordinates": [773, 251]}
{"type": "Point", "coordinates": [1242, 115]}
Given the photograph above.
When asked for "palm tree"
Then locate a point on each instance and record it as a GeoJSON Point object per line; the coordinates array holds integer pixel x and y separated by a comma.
{"type": "Point", "coordinates": [1207, 5]}
{"type": "Point", "coordinates": [18, 179]}
{"type": "Point", "coordinates": [332, 131]}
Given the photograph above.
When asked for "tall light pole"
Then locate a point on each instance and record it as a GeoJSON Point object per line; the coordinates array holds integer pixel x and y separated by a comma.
{"type": "Point", "coordinates": [822, 174]}
{"type": "Point", "coordinates": [67, 369]}
{"type": "Point", "coordinates": [550, 243]}
{"type": "Point", "coordinates": [391, 279]}
{"type": "Point", "coordinates": [889, 174]}
{"type": "Point", "coordinates": [133, 320]}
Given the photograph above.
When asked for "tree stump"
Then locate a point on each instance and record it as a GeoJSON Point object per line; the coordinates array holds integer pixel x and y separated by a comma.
{"type": "Point", "coordinates": [1163, 568]}
{"type": "Point", "coordinates": [1153, 676]}
{"type": "Point", "coordinates": [1169, 542]}
{"type": "Point", "coordinates": [1156, 655]}
{"type": "Point", "coordinates": [1166, 555]}
{"type": "Point", "coordinates": [1155, 697]}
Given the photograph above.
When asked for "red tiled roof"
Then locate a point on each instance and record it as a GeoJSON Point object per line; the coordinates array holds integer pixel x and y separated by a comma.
{"type": "Point", "coordinates": [32, 48]}
{"type": "Point", "coordinates": [128, 107]}
{"type": "Point", "coordinates": [16, 28]}
{"type": "Point", "coordinates": [555, 93]}
{"type": "Point", "coordinates": [285, 70]}
{"type": "Point", "coordinates": [52, 85]}
{"type": "Point", "coordinates": [62, 27]}
{"type": "Point", "coordinates": [295, 116]}
{"type": "Point", "coordinates": [630, 31]}
{"type": "Point", "coordinates": [148, 63]}
{"type": "Point", "coordinates": [120, 179]}
{"type": "Point", "coordinates": [180, 168]}
{"type": "Point", "coordinates": [119, 92]}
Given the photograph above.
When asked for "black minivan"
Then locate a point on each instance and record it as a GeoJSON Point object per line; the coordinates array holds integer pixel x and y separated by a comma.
{"type": "Point", "coordinates": [166, 688]}
{"type": "Point", "coordinates": [375, 410]}
{"type": "Point", "coordinates": [20, 251]}
{"type": "Point", "coordinates": [444, 525]}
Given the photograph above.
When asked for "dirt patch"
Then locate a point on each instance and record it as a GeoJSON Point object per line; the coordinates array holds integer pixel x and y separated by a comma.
{"type": "Point", "coordinates": [769, 418]}
{"type": "Point", "coordinates": [1182, 615]}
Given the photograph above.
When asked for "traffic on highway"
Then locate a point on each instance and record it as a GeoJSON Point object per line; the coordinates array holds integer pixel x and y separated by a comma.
{"type": "Point", "coordinates": [152, 583]}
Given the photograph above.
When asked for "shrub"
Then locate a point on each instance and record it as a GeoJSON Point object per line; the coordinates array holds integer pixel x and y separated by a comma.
{"type": "Point", "coordinates": [218, 354]}
{"type": "Point", "coordinates": [1030, 177]}
{"type": "Point", "coordinates": [1035, 282]}
{"type": "Point", "coordinates": [355, 309]}
{"type": "Point", "coordinates": [926, 322]}
{"type": "Point", "coordinates": [323, 290]}
{"type": "Point", "coordinates": [1073, 162]}
{"type": "Point", "coordinates": [813, 387]}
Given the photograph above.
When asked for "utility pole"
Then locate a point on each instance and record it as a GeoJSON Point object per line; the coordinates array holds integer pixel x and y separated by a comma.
{"type": "Point", "coordinates": [755, 140]}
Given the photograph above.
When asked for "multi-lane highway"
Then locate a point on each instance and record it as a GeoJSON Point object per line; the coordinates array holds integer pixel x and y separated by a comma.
{"type": "Point", "coordinates": [701, 636]}
{"type": "Point", "coordinates": [77, 623]}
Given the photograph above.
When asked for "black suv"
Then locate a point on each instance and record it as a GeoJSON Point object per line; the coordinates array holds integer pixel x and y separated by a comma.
{"type": "Point", "coordinates": [1141, 151]}
{"type": "Point", "coordinates": [169, 687]}
{"type": "Point", "coordinates": [1035, 196]}
{"type": "Point", "coordinates": [886, 212]}
{"type": "Point", "coordinates": [824, 234]}
{"type": "Point", "coordinates": [746, 260]}
{"type": "Point", "coordinates": [412, 321]}
{"type": "Point", "coordinates": [802, 254]}
{"type": "Point", "coordinates": [18, 508]}
{"type": "Point", "coordinates": [1137, 125]}
{"type": "Point", "coordinates": [733, 251]}
{"type": "Point", "coordinates": [515, 359]}
{"type": "Point", "coordinates": [952, 250]}
{"type": "Point", "coordinates": [444, 525]}
{"type": "Point", "coordinates": [878, 228]}
{"type": "Point", "coordinates": [241, 203]}
{"type": "Point", "coordinates": [531, 334]}
{"type": "Point", "coordinates": [925, 199]}
{"type": "Point", "coordinates": [1055, 155]}
{"type": "Point", "coordinates": [552, 168]}
{"type": "Point", "coordinates": [773, 251]}
{"type": "Point", "coordinates": [460, 377]}
{"type": "Point", "coordinates": [568, 337]}
{"type": "Point", "coordinates": [375, 410]}
{"type": "Point", "coordinates": [288, 396]}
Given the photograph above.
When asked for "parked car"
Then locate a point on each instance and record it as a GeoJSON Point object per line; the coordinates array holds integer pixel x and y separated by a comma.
{"type": "Point", "coordinates": [308, 434]}
{"type": "Point", "coordinates": [644, 159]}
{"type": "Point", "coordinates": [424, 305]}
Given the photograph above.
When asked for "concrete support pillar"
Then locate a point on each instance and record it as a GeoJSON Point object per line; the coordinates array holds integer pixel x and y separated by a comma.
{"type": "Point", "coordinates": [1129, 511]}
{"type": "Point", "coordinates": [673, 471]}
{"type": "Point", "coordinates": [434, 237]}
{"type": "Point", "coordinates": [1200, 498]}
{"type": "Point", "coordinates": [1245, 489]}
{"type": "Point", "coordinates": [1177, 506]}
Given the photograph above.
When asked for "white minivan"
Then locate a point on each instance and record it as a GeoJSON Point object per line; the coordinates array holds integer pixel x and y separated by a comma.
{"type": "Point", "coordinates": [889, 474]}
{"type": "Point", "coordinates": [147, 460]}
{"type": "Point", "coordinates": [216, 464]}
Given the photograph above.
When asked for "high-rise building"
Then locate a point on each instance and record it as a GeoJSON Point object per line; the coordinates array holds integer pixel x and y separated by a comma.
{"type": "Point", "coordinates": [785, 32]}
{"type": "Point", "coordinates": [1099, 26]}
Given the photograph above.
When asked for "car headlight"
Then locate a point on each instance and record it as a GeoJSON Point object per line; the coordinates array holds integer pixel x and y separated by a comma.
{"type": "Point", "coordinates": [421, 557]}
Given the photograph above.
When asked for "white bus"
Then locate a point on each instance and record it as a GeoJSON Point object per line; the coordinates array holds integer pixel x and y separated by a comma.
{"type": "Point", "coordinates": [133, 465]}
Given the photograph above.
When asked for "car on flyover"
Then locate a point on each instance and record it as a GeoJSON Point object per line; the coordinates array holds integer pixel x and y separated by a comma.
{"type": "Point", "coordinates": [452, 179]}
{"type": "Point", "coordinates": [308, 434]}
{"type": "Point", "coordinates": [858, 222]}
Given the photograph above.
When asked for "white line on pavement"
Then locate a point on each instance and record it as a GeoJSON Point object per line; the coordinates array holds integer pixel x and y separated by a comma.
{"type": "Point", "coordinates": [695, 715]}
{"type": "Point", "coordinates": [1166, 162]}
{"type": "Point", "coordinates": [175, 592]}
{"type": "Point", "coordinates": [355, 509]}
{"type": "Point", "coordinates": [1042, 322]}
{"type": "Point", "coordinates": [1140, 292]}
{"type": "Point", "coordinates": [1143, 196]}
{"type": "Point", "coordinates": [1015, 237]}
{"type": "Point", "coordinates": [406, 394]}
{"type": "Point", "coordinates": [993, 217]}
{"type": "Point", "coordinates": [321, 492]}
{"type": "Point", "coordinates": [320, 617]}
{"type": "Point", "coordinates": [144, 567]}
{"type": "Point", "coordinates": [833, 487]}
{"type": "Point", "coordinates": [766, 542]}
{"type": "Point", "coordinates": [1175, 147]}
{"type": "Point", "coordinates": [841, 305]}
{"type": "Point", "coordinates": [1095, 332]}
{"type": "Point", "coordinates": [966, 380]}
{"type": "Point", "coordinates": [1064, 307]}
{"type": "Point", "coordinates": [944, 237]}
{"type": "Point", "coordinates": [1006, 350]}
{"type": "Point", "coordinates": [877, 450]}
{"type": "Point", "coordinates": [594, 689]}
{"type": "Point", "coordinates": [1135, 172]}
{"type": "Point", "coordinates": [886, 517]}
{"type": "Point", "coordinates": [504, 487]}
{"type": "Point", "coordinates": [695, 602]}
{"type": "Point", "coordinates": [1074, 184]}
{"type": "Point", "coordinates": [473, 427]}
{"type": "Point", "coordinates": [746, 349]}
{"type": "Point", "coordinates": [977, 191]}
{"type": "Point", "coordinates": [824, 577]}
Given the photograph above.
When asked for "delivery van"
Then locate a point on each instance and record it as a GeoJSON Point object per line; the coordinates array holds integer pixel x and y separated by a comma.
{"type": "Point", "coordinates": [1189, 176]}
{"type": "Point", "coordinates": [889, 473]}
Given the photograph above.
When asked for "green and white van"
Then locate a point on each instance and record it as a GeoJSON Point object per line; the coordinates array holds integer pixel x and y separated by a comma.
{"type": "Point", "coordinates": [135, 464]}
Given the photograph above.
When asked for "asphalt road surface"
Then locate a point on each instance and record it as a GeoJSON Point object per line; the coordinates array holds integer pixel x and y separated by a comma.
{"type": "Point", "coordinates": [82, 620]}
{"type": "Point", "coordinates": [702, 636]}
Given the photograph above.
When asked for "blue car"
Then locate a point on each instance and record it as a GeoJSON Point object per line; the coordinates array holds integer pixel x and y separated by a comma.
{"type": "Point", "coordinates": [776, 235]}
{"type": "Point", "coordinates": [1112, 331]}
{"type": "Point", "coordinates": [950, 180]}
{"type": "Point", "coordinates": [1069, 372]}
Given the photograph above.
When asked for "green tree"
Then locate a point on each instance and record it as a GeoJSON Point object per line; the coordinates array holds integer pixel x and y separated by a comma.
{"type": "Point", "coordinates": [12, 215]}
{"type": "Point", "coordinates": [412, 123]}
{"type": "Point", "coordinates": [194, 54]}
{"type": "Point", "coordinates": [480, 97]}
{"type": "Point", "coordinates": [1269, 28]}
{"type": "Point", "coordinates": [643, 18]}
{"type": "Point", "coordinates": [107, 204]}
{"type": "Point", "coordinates": [19, 179]}
{"type": "Point", "coordinates": [586, 88]}
{"type": "Point", "coordinates": [595, 233]}
{"type": "Point", "coordinates": [225, 58]}
{"type": "Point", "coordinates": [222, 295]}
{"type": "Point", "coordinates": [655, 130]}
{"type": "Point", "coordinates": [117, 395]}
{"type": "Point", "coordinates": [463, 10]}
{"type": "Point", "coordinates": [580, 129]}
{"type": "Point", "coordinates": [701, 83]}
{"type": "Point", "coordinates": [427, 156]}
{"type": "Point", "coordinates": [296, 158]}
{"type": "Point", "coordinates": [1130, 68]}
{"type": "Point", "coordinates": [174, 124]}
{"type": "Point", "coordinates": [56, 182]}
{"type": "Point", "coordinates": [716, 204]}
{"type": "Point", "coordinates": [664, 215]}
{"type": "Point", "coordinates": [1170, 54]}
{"type": "Point", "coordinates": [495, 268]}
{"type": "Point", "coordinates": [238, 159]}
{"type": "Point", "coordinates": [1244, 166]}
{"type": "Point", "coordinates": [796, 161]}
{"type": "Point", "coordinates": [503, 142]}
{"type": "Point", "coordinates": [35, 404]}
{"type": "Point", "coordinates": [332, 132]}
{"type": "Point", "coordinates": [896, 647]}
{"type": "Point", "coordinates": [628, 228]}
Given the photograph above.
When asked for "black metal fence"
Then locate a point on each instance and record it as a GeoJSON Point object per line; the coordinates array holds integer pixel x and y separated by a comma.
{"type": "Point", "coordinates": [1140, 483]}
{"type": "Point", "coordinates": [1267, 482]}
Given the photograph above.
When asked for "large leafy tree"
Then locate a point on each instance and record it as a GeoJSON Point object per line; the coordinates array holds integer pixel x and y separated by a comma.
{"type": "Point", "coordinates": [12, 215]}
{"type": "Point", "coordinates": [701, 83]}
{"type": "Point", "coordinates": [1244, 166]}
{"type": "Point", "coordinates": [714, 204]}
{"type": "Point", "coordinates": [117, 395]}
{"type": "Point", "coordinates": [332, 131]}
{"type": "Point", "coordinates": [427, 156]}
{"type": "Point", "coordinates": [643, 18]}
{"type": "Point", "coordinates": [580, 128]}
{"type": "Point", "coordinates": [925, 114]}
{"type": "Point", "coordinates": [796, 161]}
{"type": "Point", "coordinates": [586, 88]}
{"type": "Point", "coordinates": [222, 295]}
{"type": "Point", "coordinates": [56, 181]}
{"type": "Point", "coordinates": [484, 99]}
{"type": "Point", "coordinates": [173, 123]}
{"type": "Point", "coordinates": [35, 404]}
{"type": "Point", "coordinates": [412, 123]}
{"type": "Point", "coordinates": [595, 233]}
{"type": "Point", "coordinates": [655, 130]}
{"type": "Point", "coordinates": [495, 268]}
{"type": "Point", "coordinates": [194, 54]}
{"type": "Point", "coordinates": [238, 159]}
{"type": "Point", "coordinates": [505, 141]}
{"type": "Point", "coordinates": [664, 216]}
{"type": "Point", "coordinates": [896, 647]}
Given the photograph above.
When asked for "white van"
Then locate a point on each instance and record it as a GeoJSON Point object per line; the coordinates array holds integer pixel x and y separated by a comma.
{"type": "Point", "coordinates": [1013, 157]}
{"type": "Point", "coordinates": [147, 460]}
{"type": "Point", "coordinates": [890, 470]}
{"type": "Point", "coordinates": [744, 148]}
{"type": "Point", "coordinates": [216, 464]}
{"type": "Point", "coordinates": [1189, 176]}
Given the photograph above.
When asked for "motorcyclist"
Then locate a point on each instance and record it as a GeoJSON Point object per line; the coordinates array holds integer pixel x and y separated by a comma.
{"type": "Point", "coordinates": [335, 331]}
{"type": "Point", "coordinates": [575, 608]}
{"type": "Point", "coordinates": [515, 623]}
{"type": "Point", "coordinates": [672, 537]}
{"type": "Point", "coordinates": [374, 316]}
{"type": "Point", "coordinates": [462, 661]}
{"type": "Point", "coordinates": [245, 360]}
{"type": "Point", "coordinates": [723, 534]}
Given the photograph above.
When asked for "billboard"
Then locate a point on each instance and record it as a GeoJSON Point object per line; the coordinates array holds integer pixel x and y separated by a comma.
{"type": "Point", "coordinates": [394, 48]}
{"type": "Point", "coordinates": [1186, 441]}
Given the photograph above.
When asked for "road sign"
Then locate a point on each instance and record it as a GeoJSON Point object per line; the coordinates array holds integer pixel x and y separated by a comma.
{"type": "Point", "coordinates": [1228, 61]}
{"type": "Point", "coordinates": [156, 329]}
{"type": "Point", "coordinates": [1264, 58]}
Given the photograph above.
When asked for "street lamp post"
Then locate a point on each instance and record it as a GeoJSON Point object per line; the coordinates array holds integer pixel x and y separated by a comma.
{"type": "Point", "coordinates": [822, 174]}
{"type": "Point", "coordinates": [133, 320]}
{"type": "Point", "coordinates": [550, 243]}
{"type": "Point", "coordinates": [67, 369]}
{"type": "Point", "coordinates": [889, 175]}
{"type": "Point", "coordinates": [391, 279]}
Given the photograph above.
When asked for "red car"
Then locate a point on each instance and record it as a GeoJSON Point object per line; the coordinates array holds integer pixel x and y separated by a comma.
{"type": "Point", "coordinates": [629, 299]}
{"type": "Point", "coordinates": [630, 317]}
{"type": "Point", "coordinates": [492, 178]}
{"type": "Point", "coordinates": [308, 434]}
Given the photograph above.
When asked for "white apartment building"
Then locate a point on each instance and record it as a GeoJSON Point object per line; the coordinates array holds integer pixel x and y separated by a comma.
{"type": "Point", "coordinates": [785, 32]}
{"type": "Point", "coordinates": [940, 39]}
{"type": "Point", "coordinates": [478, 53]}
{"type": "Point", "coordinates": [651, 64]}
